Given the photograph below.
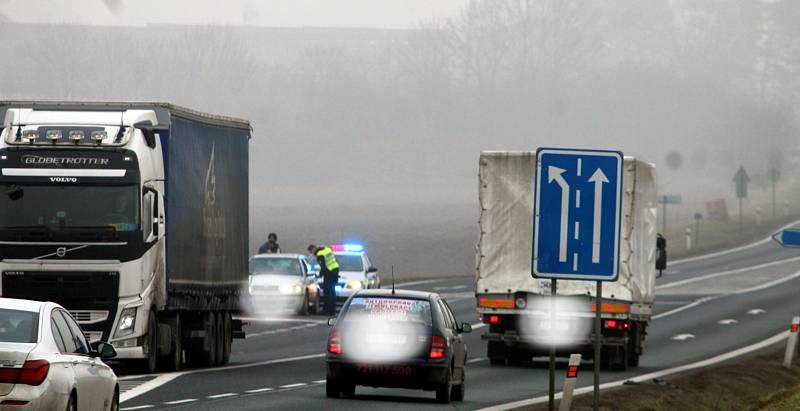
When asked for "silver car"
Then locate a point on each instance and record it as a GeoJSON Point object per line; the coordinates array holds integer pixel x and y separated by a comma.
{"type": "Point", "coordinates": [283, 282]}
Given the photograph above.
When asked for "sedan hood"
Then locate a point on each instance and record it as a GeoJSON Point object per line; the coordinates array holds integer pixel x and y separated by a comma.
{"type": "Point", "coordinates": [347, 276]}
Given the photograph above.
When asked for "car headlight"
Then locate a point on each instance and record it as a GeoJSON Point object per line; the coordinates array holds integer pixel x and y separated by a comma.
{"type": "Point", "coordinates": [355, 285]}
{"type": "Point", "coordinates": [291, 289]}
{"type": "Point", "coordinates": [127, 322]}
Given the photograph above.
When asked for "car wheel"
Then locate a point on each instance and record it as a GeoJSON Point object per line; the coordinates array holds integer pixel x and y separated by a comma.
{"type": "Point", "coordinates": [114, 402]}
{"type": "Point", "coordinates": [348, 390]}
{"type": "Point", "coordinates": [457, 393]}
{"type": "Point", "coordinates": [72, 403]}
{"type": "Point", "coordinates": [332, 388]}
{"type": "Point", "coordinates": [304, 307]}
{"type": "Point", "coordinates": [444, 391]}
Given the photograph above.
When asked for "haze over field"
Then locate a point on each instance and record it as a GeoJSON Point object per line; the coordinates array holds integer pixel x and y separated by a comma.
{"type": "Point", "coordinates": [384, 121]}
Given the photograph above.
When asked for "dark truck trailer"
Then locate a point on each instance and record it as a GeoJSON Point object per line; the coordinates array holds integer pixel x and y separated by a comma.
{"type": "Point", "coordinates": [134, 216]}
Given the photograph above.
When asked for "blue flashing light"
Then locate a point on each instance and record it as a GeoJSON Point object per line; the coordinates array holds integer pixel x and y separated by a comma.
{"type": "Point", "coordinates": [348, 248]}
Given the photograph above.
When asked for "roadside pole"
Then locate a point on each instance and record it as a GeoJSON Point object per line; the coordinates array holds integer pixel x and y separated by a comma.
{"type": "Point", "coordinates": [598, 309]}
{"type": "Point", "coordinates": [742, 180]}
{"type": "Point", "coordinates": [791, 343]}
{"type": "Point", "coordinates": [553, 290]}
{"type": "Point", "coordinates": [569, 383]}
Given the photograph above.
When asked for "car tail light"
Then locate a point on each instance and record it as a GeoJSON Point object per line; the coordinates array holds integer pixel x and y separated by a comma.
{"type": "Point", "coordinates": [491, 319]}
{"type": "Point", "coordinates": [617, 325]}
{"type": "Point", "coordinates": [438, 345]}
{"type": "Point", "coordinates": [335, 343]}
{"type": "Point", "coordinates": [32, 373]}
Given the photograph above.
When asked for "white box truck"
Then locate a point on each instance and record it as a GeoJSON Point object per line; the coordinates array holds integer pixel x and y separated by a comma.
{"type": "Point", "coordinates": [523, 321]}
{"type": "Point", "coordinates": [134, 217]}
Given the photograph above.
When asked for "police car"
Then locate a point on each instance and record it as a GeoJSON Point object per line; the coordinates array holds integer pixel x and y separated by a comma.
{"type": "Point", "coordinates": [356, 271]}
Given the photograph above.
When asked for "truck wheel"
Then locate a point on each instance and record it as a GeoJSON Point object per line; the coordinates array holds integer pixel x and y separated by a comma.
{"type": "Point", "coordinates": [619, 358]}
{"type": "Point", "coordinates": [174, 360]}
{"type": "Point", "coordinates": [227, 339]}
{"type": "Point", "coordinates": [220, 339]}
{"type": "Point", "coordinates": [201, 357]}
{"type": "Point", "coordinates": [496, 351]}
{"type": "Point", "coordinates": [634, 346]}
{"type": "Point", "coordinates": [150, 345]}
{"type": "Point", "coordinates": [332, 388]}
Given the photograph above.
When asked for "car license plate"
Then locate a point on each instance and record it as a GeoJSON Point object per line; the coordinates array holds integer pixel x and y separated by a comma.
{"type": "Point", "coordinates": [384, 369]}
{"type": "Point", "coordinates": [386, 339]}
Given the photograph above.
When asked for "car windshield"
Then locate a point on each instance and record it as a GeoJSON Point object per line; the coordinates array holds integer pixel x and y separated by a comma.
{"type": "Point", "coordinates": [286, 266]}
{"type": "Point", "coordinates": [403, 310]}
{"type": "Point", "coordinates": [69, 206]}
{"type": "Point", "coordinates": [350, 262]}
{"type": "Point", "coordinates": [18, 326]}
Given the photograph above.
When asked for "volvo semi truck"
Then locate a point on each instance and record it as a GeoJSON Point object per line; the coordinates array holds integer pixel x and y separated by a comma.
{"type": "Point", "coordinates": [134, 217]}
{"type": "Point", "coordinates": [523, 320]}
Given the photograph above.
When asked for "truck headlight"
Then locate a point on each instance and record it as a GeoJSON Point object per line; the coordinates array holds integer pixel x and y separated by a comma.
{"type": "Point", "coordinates": [355, 285]}
{"type": "Point", "coordinates": [127, 322]}
{"type": "Point", "coordinates": [291, 289]}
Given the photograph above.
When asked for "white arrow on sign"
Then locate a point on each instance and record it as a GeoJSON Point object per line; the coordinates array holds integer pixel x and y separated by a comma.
{"type": "Point", "coordinates": [683, 337]}
{"type": "Point", "coordinates": [598, 178]}
{"type": "Point", "coordinates": [555, 174]}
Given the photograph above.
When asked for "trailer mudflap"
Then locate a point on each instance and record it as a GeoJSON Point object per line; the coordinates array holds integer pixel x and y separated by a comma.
{"type": "Point", "coordinates": [237, 329]}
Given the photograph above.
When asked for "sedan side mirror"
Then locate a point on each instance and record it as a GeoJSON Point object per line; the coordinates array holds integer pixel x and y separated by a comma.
{"type": "Point", "coordinates": [466, 328]}
{"type": "Point", "coordinates": [103, 350]}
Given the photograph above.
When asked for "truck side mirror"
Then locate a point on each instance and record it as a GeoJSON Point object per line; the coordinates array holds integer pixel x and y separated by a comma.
{"type": "Point", "coordinates": [661, 253]}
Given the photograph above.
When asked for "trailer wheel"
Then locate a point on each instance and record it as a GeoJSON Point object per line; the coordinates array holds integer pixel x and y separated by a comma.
{"type": "Point", "coordinates": [201, 357]}
{"type": "Point", "coordinates": [227, 338]}
{"type": "Point", "coordinates": [496, 351]}
{"type": "Point", "coordinates": [634, 346]}
{"type": "Point", "coordinates": [220, 339]}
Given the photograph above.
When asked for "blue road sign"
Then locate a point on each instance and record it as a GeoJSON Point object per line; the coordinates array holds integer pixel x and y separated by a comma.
{"type": "Point", "coordinates": [789, 238]}
{"type": "Point", "coordinates": [577, 206]}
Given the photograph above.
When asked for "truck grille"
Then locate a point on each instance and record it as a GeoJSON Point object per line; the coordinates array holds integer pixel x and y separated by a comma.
{"type": "Point", "coordinates": [91, 297]}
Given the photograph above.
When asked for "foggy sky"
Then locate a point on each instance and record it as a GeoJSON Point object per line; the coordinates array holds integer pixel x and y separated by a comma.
{"type": "Point", "coordinates": [276, 13]}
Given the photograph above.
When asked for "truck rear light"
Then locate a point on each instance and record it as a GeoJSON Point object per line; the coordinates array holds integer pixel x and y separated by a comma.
{"type": "Point", "coordinates": [496, 302]}
{"type": "Point", "coordinates": [491, 319]}
{"type": "Point", "coordinates": [32, 373]}
{"type": "Point", "coordinates": [438, 345]}
{"type": "Point", "coordinates": [617, 325]}
{"type": "Point", "coordinates": [335, 343]}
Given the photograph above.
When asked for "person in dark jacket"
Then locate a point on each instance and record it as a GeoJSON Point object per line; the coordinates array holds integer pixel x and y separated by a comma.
{"type": "Point", "coordinates": [329, 270]}
{"type": "Point", "coordinates": [271, 246]}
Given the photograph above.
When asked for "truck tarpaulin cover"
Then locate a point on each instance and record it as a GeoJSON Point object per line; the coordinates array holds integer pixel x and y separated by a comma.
{"type": "Point", "coordinates": [207, 206]}
{"type": "Point", "coordinates": [506, 224]}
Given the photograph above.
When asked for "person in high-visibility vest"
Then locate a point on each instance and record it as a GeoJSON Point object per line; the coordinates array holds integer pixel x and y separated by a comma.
{"type": "Point", "coordinates": [329, 269]}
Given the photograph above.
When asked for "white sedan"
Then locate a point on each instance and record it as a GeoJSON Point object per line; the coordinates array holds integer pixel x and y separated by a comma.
{"type": "Point", "coordinates": [47, 364]}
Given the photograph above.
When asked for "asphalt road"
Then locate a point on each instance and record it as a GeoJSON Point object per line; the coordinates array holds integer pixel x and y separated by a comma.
{"type": "Point", "coordinates": [705, 307]}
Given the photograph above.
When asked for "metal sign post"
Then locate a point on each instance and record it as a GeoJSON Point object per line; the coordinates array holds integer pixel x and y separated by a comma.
{"type": "Point", "coordinates": [742, 180]}
{"type": "Point", "coordinates": [598, 309]}
{"type": "Point", "coordinates": [576, 225]}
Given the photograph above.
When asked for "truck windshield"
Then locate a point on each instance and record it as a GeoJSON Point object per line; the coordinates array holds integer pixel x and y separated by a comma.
{"type": "Point", "coordinates": [31, 206]}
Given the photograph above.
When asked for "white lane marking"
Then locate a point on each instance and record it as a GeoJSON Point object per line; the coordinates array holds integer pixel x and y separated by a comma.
{"type": "Point", "coordinates": [474, 360]}
{"type": "Point", "coordinates": [684, 337]}
{"type": "Point", "coordinates": [165, 378]}
{"type": "Point", "coordinates": [318, 382]}
{"type": "Point", "coordinates": [226, 395]}
{"type": "Point", "coordinates": [672, 272]}
{"type": "Point", "coordinates": [745, 291]}
{"type": "Point", "coordinates": [728, 321]}
{"type": "Point", "coordinates": [684, 308]}
{"type": "Point", "coordinates": [299, 384]}
{"type": "Point", "coordinates": [478, 326]}
{"type": "Point", "coordinates": [734, 250]}
{"type": "Point", "coordinates": [455, 287]}
{"type": "Point", "coordinates": [650, 376]}
{"type": "Point", "coordinates": [725, 273]}
{"type": "Point", "coordinates": [756, 311]}
{"type": "Point", "coordinates": [140, 407]}
{"type": "Point", "coordinates": [180, 401]}
{"type": "Point", "coordinates": [673, 302]}
{"type": "Point", "coordinates": [283, 330]}
{"type": "Point", "coordinates": [260, 390]}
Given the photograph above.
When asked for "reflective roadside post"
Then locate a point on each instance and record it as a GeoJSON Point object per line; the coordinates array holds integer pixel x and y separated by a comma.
{"type": "Point", "coordinates": [569, 383]}
{"type": "Point", "coordinates": [791, 343]}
